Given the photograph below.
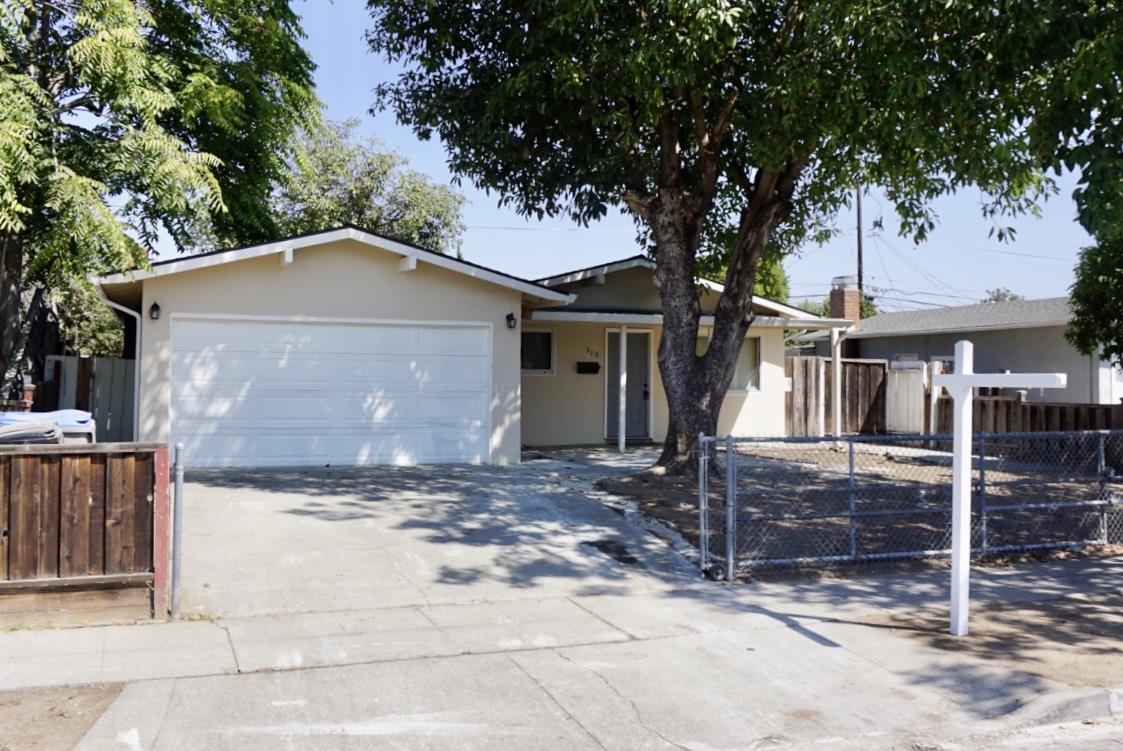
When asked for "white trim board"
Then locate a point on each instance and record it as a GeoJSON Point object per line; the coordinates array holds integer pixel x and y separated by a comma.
{"type": "Point", "coordinates": [285, 247]}
{"type": "Point", "coordinates": [656, 319]}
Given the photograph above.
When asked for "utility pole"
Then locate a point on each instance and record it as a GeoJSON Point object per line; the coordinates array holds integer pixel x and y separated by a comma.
{"type": "Point", "coordinates": [858, 203]}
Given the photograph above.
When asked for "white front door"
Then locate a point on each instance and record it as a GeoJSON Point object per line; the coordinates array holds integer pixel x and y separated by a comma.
{"type": "Point", "coordinates": [313, 393]}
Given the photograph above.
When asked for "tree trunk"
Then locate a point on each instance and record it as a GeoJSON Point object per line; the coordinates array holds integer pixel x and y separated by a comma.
{"type": "Point", "coordinates": [11, 298]}
{"type": "Point", "coordinates": [696, 384]}
{"type": "Point", "coordinates": [11, 383]}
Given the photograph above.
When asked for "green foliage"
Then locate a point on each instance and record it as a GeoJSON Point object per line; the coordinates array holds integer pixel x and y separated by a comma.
{"type": "Point", "coordinates": [121, 120]}
{"type": "Point", "coordinates": [336, 178]}
{"type": "Point", "coordinates": [771, 279]}
{"type": "Point", "coordinates": [1097, 301]}
{"type": "Point", "coordinates": [1001, 294]}
{"type": "Point", "coordinates": [562, 110]}
{"type": "Point", "coordinates": [244, 86]}
{"type": "Point", "coordinates": [821, 308]}
{"type": "Point", "coordinates": [87, 326]}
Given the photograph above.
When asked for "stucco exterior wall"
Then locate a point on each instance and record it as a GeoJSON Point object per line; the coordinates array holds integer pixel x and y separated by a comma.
{"type": "Point", "coordinates": [342, 280]}
{"type": "Point", "coordinates": [567, 408]}
{"type": "Point", "coordinates": [1030, 350]}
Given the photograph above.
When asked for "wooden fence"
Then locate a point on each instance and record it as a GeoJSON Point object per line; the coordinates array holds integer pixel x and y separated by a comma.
{"type": "Point", "coordinates": [803, 402]}
{"type": "Point", "coordinates": [1013, 414]}
{"type": "Point", "coordinates": [808, 403]}
{"type": "Point", "coordinates": [100, 385]}
{"type": "Point", "coordinates": [85, 515]}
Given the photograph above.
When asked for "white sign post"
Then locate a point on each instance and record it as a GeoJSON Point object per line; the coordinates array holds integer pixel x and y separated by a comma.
{"type": "Point", "coordinates": [961, 386]}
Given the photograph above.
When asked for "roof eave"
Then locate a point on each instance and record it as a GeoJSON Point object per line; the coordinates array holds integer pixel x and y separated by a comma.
{"type": "Point", "coordinates": [526, 287]}
{"type": "Point", "coordinates": [960, 329]}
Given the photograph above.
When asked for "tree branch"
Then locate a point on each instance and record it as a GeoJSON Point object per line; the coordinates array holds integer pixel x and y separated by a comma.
{"type": "Point", "coordinates": [670, 166]}
{"type": "Point", "coordinates": [639, 202]}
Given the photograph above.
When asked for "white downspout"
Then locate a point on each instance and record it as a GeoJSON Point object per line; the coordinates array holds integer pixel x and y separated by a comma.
{"type": "Point", "coordinates": [622, 406]}
{"type": "Point", "coordinates": [136, 357]}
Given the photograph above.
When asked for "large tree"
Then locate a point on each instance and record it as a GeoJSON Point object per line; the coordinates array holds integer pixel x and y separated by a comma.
{"type": "Point", "coordinates": [125, 120]}
{"type": "Point", "coordinates": [711, 117]}
{"type": "Point", "coordinates": [337, 177]}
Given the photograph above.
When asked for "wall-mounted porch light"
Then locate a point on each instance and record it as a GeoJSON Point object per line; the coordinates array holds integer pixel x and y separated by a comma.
{"type": "Point", "coordinates": [154, 311]}
{"type": "Point", "coordinates": [512, 322]}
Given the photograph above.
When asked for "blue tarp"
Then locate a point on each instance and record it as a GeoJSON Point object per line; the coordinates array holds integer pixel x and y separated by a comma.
{"type": "Point", "coordinates": [64, 418]}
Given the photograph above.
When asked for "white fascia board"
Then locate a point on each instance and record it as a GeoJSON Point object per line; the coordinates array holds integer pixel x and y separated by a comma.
{"type": "Point", "coordinates": [598, 272]}
{"type": "Point", "coordinates": [812, 323]}
{"type": "Point", "coordinates": [959, 329]}
{"type": "Point", "coordinates": [640, 319]}
{"type": "Point", "coordinates": [324, 238]}
{"type": "Point", "coordinates": [595, 271]}
{"type": "Point", "coordinates": [577, 316]}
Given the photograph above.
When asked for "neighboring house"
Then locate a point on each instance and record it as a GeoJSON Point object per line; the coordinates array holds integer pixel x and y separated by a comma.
{"type": "Point", "coordinates": [344, 347]}
{"type": "Point", "coordinates": [1019, 335]}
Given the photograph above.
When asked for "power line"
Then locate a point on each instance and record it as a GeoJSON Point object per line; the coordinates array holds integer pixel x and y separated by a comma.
{"type": "Point", "coordinates": [924, 273]}
{"type": "Point", "coordinates": [1019, 254]}
{"type": "Point", "coordinates": [881, 290]}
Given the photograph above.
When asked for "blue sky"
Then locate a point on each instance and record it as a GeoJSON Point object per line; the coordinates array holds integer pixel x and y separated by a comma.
{"type": "Point", "coordinates": [955, 266]}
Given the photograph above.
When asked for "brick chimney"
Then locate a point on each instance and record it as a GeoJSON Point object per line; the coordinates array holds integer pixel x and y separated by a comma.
{"type": "Point", "coordinates": [845, 300]}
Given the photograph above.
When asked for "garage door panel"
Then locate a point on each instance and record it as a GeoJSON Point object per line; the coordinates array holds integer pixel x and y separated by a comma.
{"type": "Point", "coordinates": [236, 368]}
{"type": "Point", "coordinates": [289, 393]}
{"type": "Point", "coordinates": [208, 370]}
{"type": "Point", "coordinates": [382, 339]}
{"type": "Point", "coordinates": [453, 340]}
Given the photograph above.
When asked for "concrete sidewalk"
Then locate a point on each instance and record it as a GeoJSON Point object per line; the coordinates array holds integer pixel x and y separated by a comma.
{"type": "Point", "coordinates": [697, 665]}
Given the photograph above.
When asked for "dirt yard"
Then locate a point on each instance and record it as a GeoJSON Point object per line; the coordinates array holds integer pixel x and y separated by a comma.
{"type": "Point", "coordinates": [1076, 640]}
{"type": "Point", "coordinates": [51, 718]}
{"type": "Point", "coordinates": [795, 502]}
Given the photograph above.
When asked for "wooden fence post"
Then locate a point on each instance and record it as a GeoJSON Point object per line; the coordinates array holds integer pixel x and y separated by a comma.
{"type": "Point", "coordinates": [161, 536]}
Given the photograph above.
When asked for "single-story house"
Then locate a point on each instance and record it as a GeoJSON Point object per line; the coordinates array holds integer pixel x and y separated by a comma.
{"type": "Point", "coordinates": [1024, 336]}
{"type": "Point", "coordinates": [346, 347]}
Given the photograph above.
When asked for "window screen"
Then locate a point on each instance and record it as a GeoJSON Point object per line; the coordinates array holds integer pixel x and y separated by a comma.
{"type": "Point", "coordinates": [538, 351]}
{"type": "Point", "coordinates": [747, 375]}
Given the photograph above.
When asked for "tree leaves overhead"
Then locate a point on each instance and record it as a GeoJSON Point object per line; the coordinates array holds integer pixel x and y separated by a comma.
{"type": "Point", "coordinates": [555, 106]}
{"type": "Point", "coordinates": [337, 178]}
{"type": "Point", "coordinates": [122, 120]}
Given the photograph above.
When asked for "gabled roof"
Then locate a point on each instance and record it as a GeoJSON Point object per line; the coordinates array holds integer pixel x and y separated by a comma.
{"type": "Point", "coordinates": [324, 237]}
{"type": "Point", "coordinates": [1014, 314]}
{"type": "Point", "coordinates": [641, 261]}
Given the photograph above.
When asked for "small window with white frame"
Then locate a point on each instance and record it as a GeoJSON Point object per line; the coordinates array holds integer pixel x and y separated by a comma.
{"type": "Point", "coordinates": [537, 352]}
{"type": "Point", "coordinates": [747, 375]}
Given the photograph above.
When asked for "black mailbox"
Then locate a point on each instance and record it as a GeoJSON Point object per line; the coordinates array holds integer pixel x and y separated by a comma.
{"type": "Point", "coordinates": [588, 367]}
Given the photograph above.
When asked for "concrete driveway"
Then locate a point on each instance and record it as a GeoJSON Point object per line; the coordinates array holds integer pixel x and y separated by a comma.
{"type": "Point", "coordinates": [306, 541]}
{"type": "Point", "coordinates": [459, 607]}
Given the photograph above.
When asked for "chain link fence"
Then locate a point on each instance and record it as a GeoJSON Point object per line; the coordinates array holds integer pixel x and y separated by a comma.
{"type": "Point", "coordinates": [767, 502]}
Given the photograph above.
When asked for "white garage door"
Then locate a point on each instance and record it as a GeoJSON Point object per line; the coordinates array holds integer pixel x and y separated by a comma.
{"type": "Point", "coordinates": [283, 393]}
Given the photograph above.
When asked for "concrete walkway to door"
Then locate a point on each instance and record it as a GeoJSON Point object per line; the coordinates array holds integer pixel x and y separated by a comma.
{"type": "Point", "coordinates": [483, 607]}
